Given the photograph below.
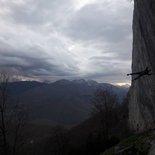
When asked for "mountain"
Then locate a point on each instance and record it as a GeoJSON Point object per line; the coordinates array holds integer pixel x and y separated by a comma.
{"type": "Point", "coordinates": [61, 102]}
{"type": "Point", "coordinates": [20, 87]}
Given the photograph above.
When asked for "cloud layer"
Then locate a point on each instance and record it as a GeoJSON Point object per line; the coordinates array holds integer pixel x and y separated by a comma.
{"type": "Point", "coordinates": [50, 40]}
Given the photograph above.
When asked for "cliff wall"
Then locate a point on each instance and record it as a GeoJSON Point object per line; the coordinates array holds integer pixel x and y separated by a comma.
{"type": "Point", "coordinates": [142, 92]}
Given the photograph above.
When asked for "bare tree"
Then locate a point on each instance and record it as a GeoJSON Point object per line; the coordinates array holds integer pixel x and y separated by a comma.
{"type": "Point", "coordinates": [12, 118]}
{"type": "Point", "coordinates": [4, 78]}
{"type": "Point", "coordinates": [19, 119]}
{"type": "Point", "coordinates": [104, 104]}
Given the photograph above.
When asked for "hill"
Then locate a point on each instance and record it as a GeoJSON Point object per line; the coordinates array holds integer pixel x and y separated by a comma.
{"type": "Point", "coordinates": [62, 102]}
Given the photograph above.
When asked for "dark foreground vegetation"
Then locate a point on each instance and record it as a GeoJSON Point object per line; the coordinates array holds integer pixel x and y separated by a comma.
{"type": "Point", "coordinates": [105, 128]}
{"type": "Point", "coordinates": [140, 144]}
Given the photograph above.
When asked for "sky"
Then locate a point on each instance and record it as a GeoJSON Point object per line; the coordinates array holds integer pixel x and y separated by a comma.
{"type": "Point", "coordinates": [48, 40]}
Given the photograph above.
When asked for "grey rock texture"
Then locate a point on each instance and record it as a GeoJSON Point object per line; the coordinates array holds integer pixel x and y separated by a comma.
{"type": "Point", "coordinates": [142, 92]}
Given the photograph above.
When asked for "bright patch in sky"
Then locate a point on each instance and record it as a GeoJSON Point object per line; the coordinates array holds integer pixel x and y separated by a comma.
{"type": "Point", "coordinates": [81, 3]}
{"type": "Point", "coordinates": [123, 84]}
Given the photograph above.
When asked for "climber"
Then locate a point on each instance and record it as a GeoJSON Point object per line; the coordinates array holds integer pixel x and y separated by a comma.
{"type": "Point", "coordinates": [142, 73]}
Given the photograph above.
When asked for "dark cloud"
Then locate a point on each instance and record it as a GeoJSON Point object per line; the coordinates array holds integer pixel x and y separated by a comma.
{"type": "Point", "coordinates": [31, 64]}
{"type": "Point", "coordinates": [114, 72]}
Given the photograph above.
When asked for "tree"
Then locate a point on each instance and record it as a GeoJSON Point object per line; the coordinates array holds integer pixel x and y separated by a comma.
{"type": "Point", "coordinates": [12, 118]}
{"type": "Point", "coordinates": [3, 107]}
{"type": "Point", "coordinates": [104, 106]}
{"type": "Point", "coordinates": [18, 123]}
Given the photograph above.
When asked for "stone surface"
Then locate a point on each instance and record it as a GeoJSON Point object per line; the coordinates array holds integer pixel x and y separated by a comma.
{"type": "Point", "coordinates": [142, 92]}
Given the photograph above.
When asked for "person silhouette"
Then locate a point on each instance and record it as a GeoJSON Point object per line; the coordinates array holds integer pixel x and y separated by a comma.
{"type": "Point", "coordinates": [147, 71]}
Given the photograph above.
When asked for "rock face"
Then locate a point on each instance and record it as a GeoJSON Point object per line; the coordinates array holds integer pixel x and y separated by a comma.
{"type": "Point", "coordinates": [142, 92]}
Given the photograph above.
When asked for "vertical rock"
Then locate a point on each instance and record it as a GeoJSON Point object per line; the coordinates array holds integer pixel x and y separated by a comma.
{"type": "Point", "coordinates": [142, 92]}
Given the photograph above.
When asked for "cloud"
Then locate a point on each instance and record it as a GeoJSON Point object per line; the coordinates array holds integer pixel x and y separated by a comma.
{"type": "Point", "coordinates": [36, 12]}
{"type": "Point", "coordinates": [105, 30]}
{"type": "Point", "coordinates": [107, 21]}
{"type": "Point", "coordinates": [32, 61]}
{"type": "Point", "coordinates": [66, 38]}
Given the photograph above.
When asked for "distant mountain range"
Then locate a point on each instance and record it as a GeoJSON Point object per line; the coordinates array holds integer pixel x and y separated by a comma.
{"type": "Point", "coordinates": [62, 102]}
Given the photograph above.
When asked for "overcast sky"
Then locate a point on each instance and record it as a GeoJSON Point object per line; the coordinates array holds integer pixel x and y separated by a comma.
{"type": "Point", "coordinates": [67, 39]}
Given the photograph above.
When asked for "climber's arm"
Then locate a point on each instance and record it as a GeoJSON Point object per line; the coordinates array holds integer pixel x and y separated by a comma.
{"type": "Point", "coordinates": [136, 73]}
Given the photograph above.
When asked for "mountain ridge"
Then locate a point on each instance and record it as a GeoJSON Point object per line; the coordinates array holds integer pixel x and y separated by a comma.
{"type": "Point", "coordinates": [63, 101]}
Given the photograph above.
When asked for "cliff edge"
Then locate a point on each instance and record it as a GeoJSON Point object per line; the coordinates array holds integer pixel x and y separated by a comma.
{"type": "Point", "coordinates": [142, 92]}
